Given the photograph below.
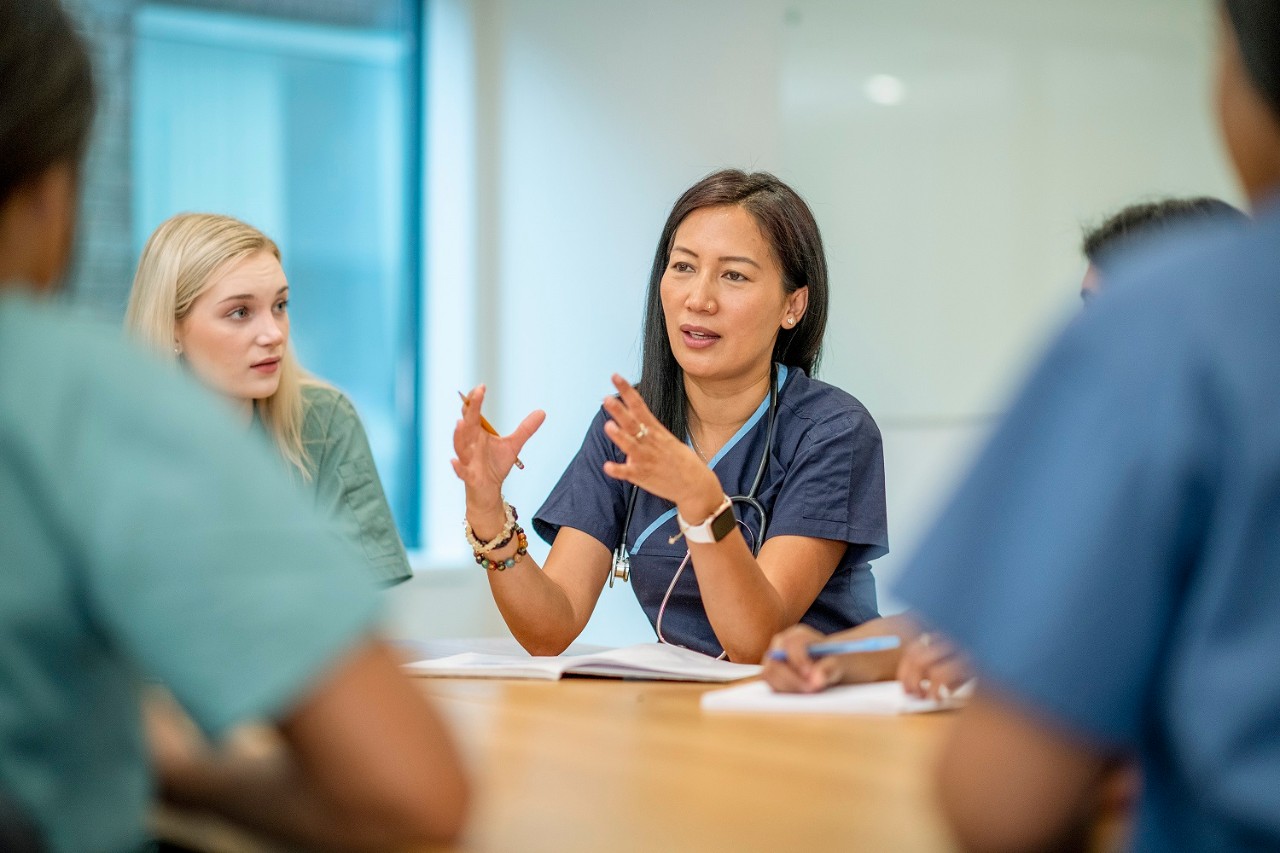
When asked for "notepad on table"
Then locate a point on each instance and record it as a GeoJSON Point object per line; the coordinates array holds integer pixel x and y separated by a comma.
{"type": "Point", "coordinates": [654, 661]}
{"type": "Point", "coordinates": [880, 697]}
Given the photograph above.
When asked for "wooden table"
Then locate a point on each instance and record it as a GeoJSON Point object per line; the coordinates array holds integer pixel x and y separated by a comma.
{"type": "Point", "coordinates": [604, 765]}
{"type": "Point", "coordinates": [618, 766]}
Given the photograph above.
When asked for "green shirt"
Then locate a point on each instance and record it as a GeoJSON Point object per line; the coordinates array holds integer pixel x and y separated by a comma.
{"type": "Point", "coordinates": [346, 483]}
{"type": "Point", "coordinates": [141, 531]}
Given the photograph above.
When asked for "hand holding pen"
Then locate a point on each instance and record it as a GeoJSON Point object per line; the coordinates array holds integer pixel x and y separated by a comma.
{"type": "Point", "coordinates": [485, 425]}
{"type": "Point", "coordinates": [483, 457]}
{"type": "Point", "coordinates": [802, 660]}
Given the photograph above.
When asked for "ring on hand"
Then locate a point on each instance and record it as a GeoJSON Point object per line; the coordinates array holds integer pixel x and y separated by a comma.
{"type": "Point", "coordinates": [924, 640]}
{"type": "Point", "coordinates": [642, 432]}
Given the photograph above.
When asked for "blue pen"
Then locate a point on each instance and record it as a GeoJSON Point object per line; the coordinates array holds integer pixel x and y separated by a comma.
{"type": "Point", "coordinates": [867, 644]}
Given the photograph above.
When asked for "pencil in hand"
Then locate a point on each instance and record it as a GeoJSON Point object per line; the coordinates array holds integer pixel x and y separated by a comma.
{"type": "Point", "coordinates": [488, 427]}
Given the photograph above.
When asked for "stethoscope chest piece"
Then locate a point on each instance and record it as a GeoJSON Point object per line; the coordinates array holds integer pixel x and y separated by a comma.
{"type": "Point", "coordinates": [622, 557]}
{"type": "Point", "coordinates": [621, 565]}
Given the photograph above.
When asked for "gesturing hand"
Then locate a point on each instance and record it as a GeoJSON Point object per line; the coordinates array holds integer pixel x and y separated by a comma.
{"type": "Point", "coordinates": [657, 461]}
{"type": "Point", "coordinates": [483, 460]}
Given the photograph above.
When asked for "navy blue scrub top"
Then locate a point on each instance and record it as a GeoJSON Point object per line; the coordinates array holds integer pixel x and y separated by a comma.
{"type": "Point", "coordinates": [824, 480]}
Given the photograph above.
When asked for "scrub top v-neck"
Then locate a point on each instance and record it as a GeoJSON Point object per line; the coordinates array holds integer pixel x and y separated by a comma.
{"type": "Point", "coordinates": [824, 480]}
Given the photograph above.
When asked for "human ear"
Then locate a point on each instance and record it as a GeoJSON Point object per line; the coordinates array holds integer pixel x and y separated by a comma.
{"type": "Point", "coordinates": [797, 302]}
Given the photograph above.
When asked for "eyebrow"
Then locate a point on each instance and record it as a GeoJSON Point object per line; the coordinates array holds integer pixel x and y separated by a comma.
{"type": "Point", "coordinates": [249, 296]}
{"type": "Point", "coordinates": [738, 258]}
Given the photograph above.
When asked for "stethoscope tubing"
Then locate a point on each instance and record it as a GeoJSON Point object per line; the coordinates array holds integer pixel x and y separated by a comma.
{"type": "Point", "coordinates": [621, 568]}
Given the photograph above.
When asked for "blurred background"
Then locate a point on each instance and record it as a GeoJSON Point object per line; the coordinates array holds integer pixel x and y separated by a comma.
{"type": "Point", "coordinates": [472, 190]}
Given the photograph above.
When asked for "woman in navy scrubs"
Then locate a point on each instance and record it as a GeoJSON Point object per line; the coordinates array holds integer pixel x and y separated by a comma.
{"type": "Point", "coordinates": [736, 312]}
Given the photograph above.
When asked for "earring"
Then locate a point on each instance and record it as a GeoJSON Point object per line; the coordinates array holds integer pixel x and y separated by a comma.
{"type": "Point", "coordinates": [791, 321]}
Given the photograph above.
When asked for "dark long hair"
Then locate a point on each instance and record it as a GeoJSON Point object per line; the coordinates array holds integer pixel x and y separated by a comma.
{"type": "Point", "coordinates": [789, 226]}
{"type": "Point", "coordinates": [46, 92]}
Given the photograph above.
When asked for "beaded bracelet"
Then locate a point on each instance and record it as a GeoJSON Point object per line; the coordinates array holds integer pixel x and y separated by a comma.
{"type": "Point", "coordinates": [522, 548]}
{"type": "Point", "coordinates": [500, 541]}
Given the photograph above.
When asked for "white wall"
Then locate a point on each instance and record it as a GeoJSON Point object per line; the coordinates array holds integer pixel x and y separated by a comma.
{"type": "Point", "coordinates": [951, 219]}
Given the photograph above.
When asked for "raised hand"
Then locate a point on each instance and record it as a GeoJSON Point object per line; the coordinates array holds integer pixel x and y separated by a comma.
{"type": "Point", "coordinates": [657, 461]}
{"type": "Point", "coordinates": [483, 460]}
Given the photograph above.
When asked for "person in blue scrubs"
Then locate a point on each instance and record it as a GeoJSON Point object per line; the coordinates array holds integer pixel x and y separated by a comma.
{"type": "Point", "coordinates": [1112, 563]}
{"type": "Point", "coordinates": [736, 312]}
{"type": "Point", "coordinates": [929, 664]}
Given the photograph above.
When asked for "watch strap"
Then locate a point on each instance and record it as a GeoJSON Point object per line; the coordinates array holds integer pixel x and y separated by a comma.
{"type": "Point", "coordinates": [713, 528]}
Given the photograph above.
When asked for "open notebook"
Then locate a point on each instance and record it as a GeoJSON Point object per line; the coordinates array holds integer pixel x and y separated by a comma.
{"type": "Point", "coordinates": [656, 661]}
{"type": "Point", "coordinates": [880, 697]}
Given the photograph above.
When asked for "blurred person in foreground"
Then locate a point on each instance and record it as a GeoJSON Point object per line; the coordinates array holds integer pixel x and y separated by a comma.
{"type": "Point", "coordinates": [141, 535]}
{"type": "Point", "coordinates": [1112, 562]}
{"type": "Point", "coordinates": [929, 664]}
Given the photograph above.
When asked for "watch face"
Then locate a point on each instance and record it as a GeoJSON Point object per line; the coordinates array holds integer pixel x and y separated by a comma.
{"type": "Point", "coordinates": [723, 523]}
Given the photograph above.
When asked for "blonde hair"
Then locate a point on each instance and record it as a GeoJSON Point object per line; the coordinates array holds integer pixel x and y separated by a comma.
{"type": "Point", "coordinates": [181, 259]}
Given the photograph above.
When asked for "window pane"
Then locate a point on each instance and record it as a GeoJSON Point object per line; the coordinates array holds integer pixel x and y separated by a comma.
{"type": "Point", "coordinates": [305, 131]}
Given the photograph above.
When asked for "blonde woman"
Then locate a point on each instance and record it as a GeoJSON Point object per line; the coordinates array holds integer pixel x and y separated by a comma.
{"type": "Point", "coordinates": [210, 291]}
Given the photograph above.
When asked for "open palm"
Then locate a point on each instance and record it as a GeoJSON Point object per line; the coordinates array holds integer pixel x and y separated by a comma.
{"type": "Point", "coordinates": [483, 460]}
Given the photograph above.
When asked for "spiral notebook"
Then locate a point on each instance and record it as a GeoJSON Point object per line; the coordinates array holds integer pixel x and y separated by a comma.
{"type": "Point", "coordinates": [649, 661]}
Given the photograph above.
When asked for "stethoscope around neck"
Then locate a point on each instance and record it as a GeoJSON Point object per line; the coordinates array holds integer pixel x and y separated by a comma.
{"type": "Point", "coordinates": [622, 556]}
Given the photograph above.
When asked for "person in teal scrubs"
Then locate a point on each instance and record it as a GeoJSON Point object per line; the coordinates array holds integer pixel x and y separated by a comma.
{"type": "Point", "coordinates": [210, 292]}
{"type": "Point", "coordinates": [142, 536]}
